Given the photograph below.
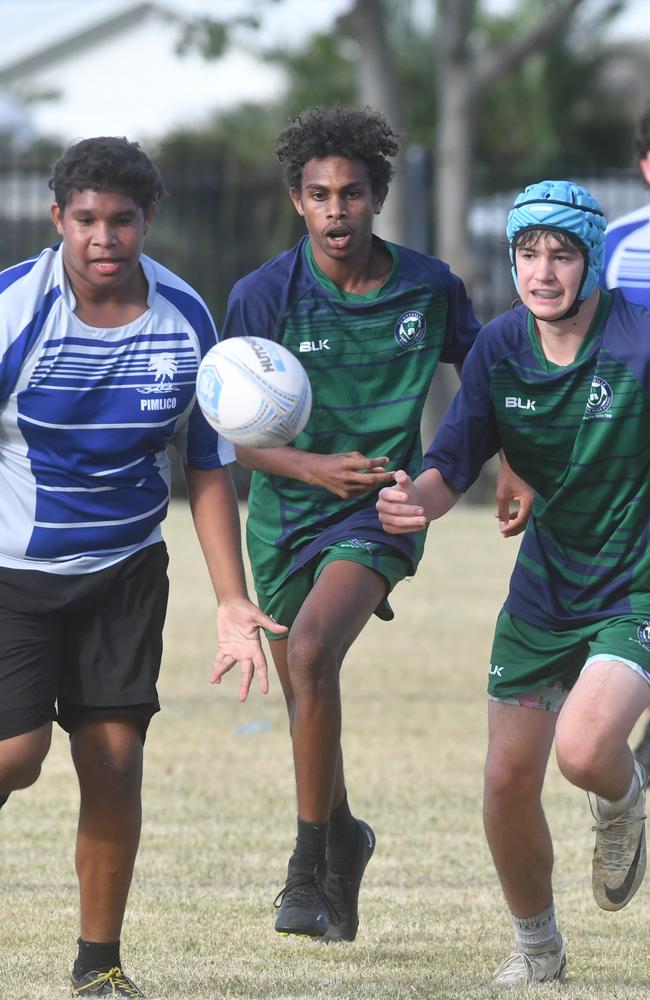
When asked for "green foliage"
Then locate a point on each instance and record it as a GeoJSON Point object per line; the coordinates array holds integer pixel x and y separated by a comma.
{"type": "Point", "coordinates": [244, 136]}
{"type": "Point", "coordinates": [557, 114]}
{"type": "Point", "coordinates": [321, 73]}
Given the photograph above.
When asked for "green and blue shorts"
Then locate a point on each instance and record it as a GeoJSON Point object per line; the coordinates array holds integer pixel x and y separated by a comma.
{"type": "Point", "coordinates": [285, 602]}
{"type": "Point", "coordinates": [536, 667]}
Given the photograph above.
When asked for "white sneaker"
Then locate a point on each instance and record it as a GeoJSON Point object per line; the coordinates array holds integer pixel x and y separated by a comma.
{"type": "Point", "coordinates": [619, 858]}
{"type": "Point", "coordinates": [523, 968]}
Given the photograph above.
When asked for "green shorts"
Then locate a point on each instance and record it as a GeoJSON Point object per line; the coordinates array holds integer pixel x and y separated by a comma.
{"type": "Point", "coordinates": [538, 667]}
{"type": "Point", "coordinates": [285, 603]}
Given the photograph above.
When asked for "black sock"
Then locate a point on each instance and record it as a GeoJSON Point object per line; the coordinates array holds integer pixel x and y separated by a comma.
{"type": "Point", "coordinates": [96, 956]}
{"type": "Point", "coordinates": [311, 846]}
{"type": "Point", "coordinates": [343, 841]}
{"type": "Point", "coordinates": [3, 799]}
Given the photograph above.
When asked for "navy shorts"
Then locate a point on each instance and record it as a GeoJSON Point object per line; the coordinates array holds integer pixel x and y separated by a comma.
{"type": "Point", "coordinates": [82, 646]}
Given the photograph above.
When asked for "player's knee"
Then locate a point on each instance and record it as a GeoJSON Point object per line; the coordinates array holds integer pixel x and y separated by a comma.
{"type": "Point", "coordinates": [21, 758]}
{"type": "Point", "coordinates": [16, 772]}
{"type": "Point", "coordinates": [581, 756]}
{"type": "Point", "coordinates": [312, 664]}
{"type": "Point", "coordinates": [109, 765]}
{"type": "Point", "coordinates": [508, 782]}
{"type": "Point", "coordinates": [116, 777]}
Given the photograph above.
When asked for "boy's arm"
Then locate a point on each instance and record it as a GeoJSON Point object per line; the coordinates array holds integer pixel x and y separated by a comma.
{"type": "Point", "coordinates": [346, 475]}
{"type": "Point", "coordinates": [216, 519]}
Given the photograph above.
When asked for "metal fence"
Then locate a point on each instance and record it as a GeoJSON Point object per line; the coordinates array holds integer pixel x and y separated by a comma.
{"type": "Point", "coordinates": [214, 227]}
{"type": "Point", "coordinates": [218, 224]}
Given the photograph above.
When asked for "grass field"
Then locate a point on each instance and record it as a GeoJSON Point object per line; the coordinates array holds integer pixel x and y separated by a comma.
{"type": "Point", "coordinates": [220, 810]}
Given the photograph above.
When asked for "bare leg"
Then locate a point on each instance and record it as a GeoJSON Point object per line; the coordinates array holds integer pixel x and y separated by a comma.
{"type": "Point", "coordinates": [520, 740]}
{"type": "Point", "coordinates": [21, 758]}
{"type": "Point", "coordinates": [308, 663]}
{"type": "Point", "coordinates": [594, 726]}
{"type": "Point", "coordinates": [339, 605]}
{"type": "Point", "coordinates": [593, 753]}
{"type": "Point", "coordinates": [279, 653]}
{"type": "Point", "coordinates": [107, 754]}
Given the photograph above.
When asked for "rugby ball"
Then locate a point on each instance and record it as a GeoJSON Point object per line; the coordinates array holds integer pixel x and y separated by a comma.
{"type": "Point", "coordinates": [254, 392]}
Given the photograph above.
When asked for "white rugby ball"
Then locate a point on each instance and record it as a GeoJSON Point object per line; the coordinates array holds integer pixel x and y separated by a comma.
{"type": "Point", "coordinates": [254, 392]}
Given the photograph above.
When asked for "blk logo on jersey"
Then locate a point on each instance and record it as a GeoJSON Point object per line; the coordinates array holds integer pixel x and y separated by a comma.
{"type": "Point", "coordinates": [410, 329]}
{"type": "Point", "coordinates": [600, 399]}
{"type": "Point", "coordinates": [307, 346]}
{"type": "Point", "coordinates": [517, 403]}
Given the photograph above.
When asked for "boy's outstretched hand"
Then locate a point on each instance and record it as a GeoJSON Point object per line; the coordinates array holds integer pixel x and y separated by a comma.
{"type": "Point", "coordinates": [238, 629]}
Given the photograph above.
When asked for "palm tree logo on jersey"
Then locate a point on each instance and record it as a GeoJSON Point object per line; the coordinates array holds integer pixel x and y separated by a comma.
{"type": "Point", "coordinates": [163, 366]}
{"type": "Point", "coordinates": [410, 329]}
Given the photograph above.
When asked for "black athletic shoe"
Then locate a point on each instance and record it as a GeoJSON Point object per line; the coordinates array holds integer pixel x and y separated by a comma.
{"type": "Point", "coordinates": [302, 905]}
{"type": "Point", "coordinates": [113, 983]}
{"type": "Point", "coordinates": [342, 890]}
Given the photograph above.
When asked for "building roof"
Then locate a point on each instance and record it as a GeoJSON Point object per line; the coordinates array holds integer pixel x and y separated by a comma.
{"type": "Point", "coordinates": [112, 67]}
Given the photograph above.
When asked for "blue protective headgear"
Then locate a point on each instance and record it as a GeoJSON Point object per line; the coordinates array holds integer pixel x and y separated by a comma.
{"type": "Point", "coordinates": [565, 207]}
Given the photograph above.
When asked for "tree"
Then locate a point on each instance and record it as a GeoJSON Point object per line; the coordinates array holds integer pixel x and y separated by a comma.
{"type": "Point", "coordinates": [465, 75]}
{"type": "Point", "coordinates": [378, 87]}
{"type": "Point", "coordinates": [511, 97]}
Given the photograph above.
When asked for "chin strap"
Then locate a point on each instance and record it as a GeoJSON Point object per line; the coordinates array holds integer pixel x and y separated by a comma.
{"type": "Point", "coordinates": [571, 311]}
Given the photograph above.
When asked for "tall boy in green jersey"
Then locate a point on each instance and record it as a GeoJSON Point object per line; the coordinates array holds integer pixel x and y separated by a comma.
{"type": "Point", "coordinates": [370, 321]}
{"type": "Point", "coordinates": [562, 383]}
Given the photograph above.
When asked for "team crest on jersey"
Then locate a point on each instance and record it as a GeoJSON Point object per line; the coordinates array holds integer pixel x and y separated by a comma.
{"type": "Point", "coordinates": [163, 367]}
{"type": "Point", "coordinates": [600, 398]}
{"type": "Point", "coordinates": [643, 635]}
{"type": "Point", "coordinates": [410, 329]}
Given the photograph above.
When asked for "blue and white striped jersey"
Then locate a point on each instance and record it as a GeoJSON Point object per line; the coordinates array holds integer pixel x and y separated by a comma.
{"type": "Point", "coordinates": [87, 416]}
{"type": "Point", "coordinates": [627, 256]}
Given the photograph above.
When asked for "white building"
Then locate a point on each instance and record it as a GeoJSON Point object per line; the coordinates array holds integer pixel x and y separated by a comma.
{"type": "Point", "coordinates": [111, 67]}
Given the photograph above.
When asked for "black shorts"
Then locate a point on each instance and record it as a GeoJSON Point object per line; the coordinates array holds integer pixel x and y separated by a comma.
{"type": "Point", "coordinates": [74, 647]}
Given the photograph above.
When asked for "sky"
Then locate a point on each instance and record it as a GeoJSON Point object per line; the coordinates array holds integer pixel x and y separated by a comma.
{"type": "Point", "coordinates": [138, 86]}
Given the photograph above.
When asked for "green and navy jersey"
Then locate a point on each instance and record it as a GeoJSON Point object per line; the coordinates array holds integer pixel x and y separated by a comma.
{"type": "Point", "coordinates": [580, 436]}
{"type": "Point", "coordinates": [370, 360]}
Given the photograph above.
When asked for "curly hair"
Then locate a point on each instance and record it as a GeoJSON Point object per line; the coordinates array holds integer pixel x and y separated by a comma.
{"type": "Point", "coordinates": [642, 134]}
{"type": "Point", "coordinates": [336, 131]}
{"type": "Point", "coordinates": [107, 163]}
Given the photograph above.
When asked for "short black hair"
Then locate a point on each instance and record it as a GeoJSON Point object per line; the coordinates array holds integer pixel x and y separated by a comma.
{"type": "Point", "coordinates": [336, 131]}
{"type": "Point", "coordinates": [107, 163]}
{"type": "Point", "coordinates": [642, 134]}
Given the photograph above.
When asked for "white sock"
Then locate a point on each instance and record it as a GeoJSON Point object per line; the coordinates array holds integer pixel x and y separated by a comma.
{"type": "Point", "coordinates": [615, 807]}
{"type": "Point", "coordinates": [536, 933]}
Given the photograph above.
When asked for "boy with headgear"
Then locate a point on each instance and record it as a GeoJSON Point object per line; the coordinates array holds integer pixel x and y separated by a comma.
{"type": "Point", "coordinates": [562, 384]}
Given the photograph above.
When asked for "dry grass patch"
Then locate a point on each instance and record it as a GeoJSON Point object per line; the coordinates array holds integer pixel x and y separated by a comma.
{"type": "Point", "coordinates": [219, 819]}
